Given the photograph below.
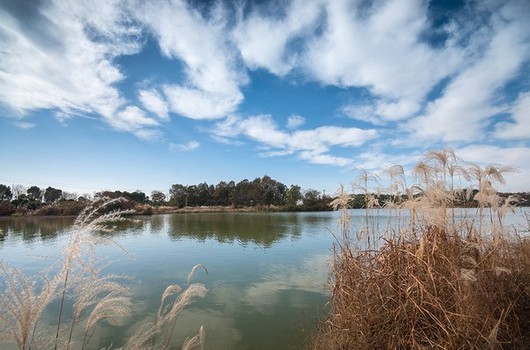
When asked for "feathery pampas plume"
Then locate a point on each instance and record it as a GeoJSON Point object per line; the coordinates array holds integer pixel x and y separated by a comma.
{"type": "Point", "coordinates": [443, 280]}
{"type": "Point", "coordinates": [96, 297]}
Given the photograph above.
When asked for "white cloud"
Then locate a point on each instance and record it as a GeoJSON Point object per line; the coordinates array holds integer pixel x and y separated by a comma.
{"type": "Point", "coordinates": [184, 147]}
{"type": "Point", "coordinates": [380, 49]}
{"type": "Point", "coordinates": [200, 104]}
{"type": "Point", "coordinates": [362, 112]}
{"type": "Point", "coordinates": [212, 76]}
{"type": "Point", "coordinates": [461, 113]}
{"type": "Point", "coordinates": [263, 40]}
{"type": "Point", "coordinates": [399, 110]}
{"type": "Point", "coordinates": [25, 125]}
{"type": "Point", "coordinates": [520, 127]}
{"type": "Point", "coordinates": [295, 121]}
{"type": "Point", "coordinates": [63, 60]}
{"type": "Point", "coordinates": [148, 134]}
{"type": "Point", "coordinates": [153, 102]}
{"type": "Point", "coordinates": [331, 135]}
{"type": "Point", "coordinates": [133, 119]}
{"type": "Point", "coordinates": [312, 145]}
{"type": "Point", "coordinates": [316, 157]}
{"type": "Point", "coordinates": [57, 67]}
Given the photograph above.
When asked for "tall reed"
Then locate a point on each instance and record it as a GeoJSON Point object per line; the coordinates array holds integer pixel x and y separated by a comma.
{"type": "Point", "coordinates": [166, 318]}
{"type": "Point", "coordinates": [95, 297]}
{"type": "Point", "coordinates": [443, 280]}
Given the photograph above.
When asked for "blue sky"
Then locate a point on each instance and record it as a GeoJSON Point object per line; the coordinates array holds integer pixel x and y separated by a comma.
{"type": "Point", "coordinates": [130, 95]}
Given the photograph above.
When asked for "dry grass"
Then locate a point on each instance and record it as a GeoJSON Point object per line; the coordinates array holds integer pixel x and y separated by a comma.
{"type": "Point", "coordinates": [95, 297]}
{"type": "Point", "coordinates": [440, 282]}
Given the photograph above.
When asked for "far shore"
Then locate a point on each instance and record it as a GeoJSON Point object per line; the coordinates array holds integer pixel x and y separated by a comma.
{"type": "Point", "coordinates": [140, 210]}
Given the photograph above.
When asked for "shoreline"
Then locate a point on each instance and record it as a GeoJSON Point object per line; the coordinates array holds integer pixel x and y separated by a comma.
{"type": "Point", "coordinates": [172, 210]}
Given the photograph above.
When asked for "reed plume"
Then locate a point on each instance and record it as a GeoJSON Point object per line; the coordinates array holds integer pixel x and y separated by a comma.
{"type": "Point", "coordinates": [95, 296]}
{"type": "Point", "coordinates": [22, 304]}
{"type": "Point", "coordinates": [443, 281]}
{"type": "Point", "coordinates": [26, 297]}
{"type": "Point", "coordinates": [166, 318]}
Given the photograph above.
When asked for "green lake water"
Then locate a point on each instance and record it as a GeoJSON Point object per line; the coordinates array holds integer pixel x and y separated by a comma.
{"type": "Point", "coordinates": [267, 280]}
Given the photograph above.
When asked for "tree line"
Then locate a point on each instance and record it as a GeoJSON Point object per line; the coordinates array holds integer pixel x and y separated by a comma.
{"type": "Point", "coordinates": [261, 193]}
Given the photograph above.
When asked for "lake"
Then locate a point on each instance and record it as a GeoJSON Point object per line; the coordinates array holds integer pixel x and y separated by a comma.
{"type": "Point", "coordinates": [267, 272]}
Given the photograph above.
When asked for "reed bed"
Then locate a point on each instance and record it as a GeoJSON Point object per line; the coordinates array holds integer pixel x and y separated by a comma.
{"type": "Point", "coordinates": [92, 296]}
{"type": "Point", "coordinates": [442, 281]}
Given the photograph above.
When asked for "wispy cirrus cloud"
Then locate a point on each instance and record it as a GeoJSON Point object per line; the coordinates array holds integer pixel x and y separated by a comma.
{"type": "Point", "coordinates": [155, 103]}
{"type": "Point", "coordinates": [211, 88]}
{"type": "Point", "coordinates": [184, 147]}
{"type": "Point", "coordinates": [68, 52]}
{"type": "Point", "coordinates": [134, 120]}
{"type": "Point", "coordinates": [25, 125]}
{"type": "Point", "coordinates": [519, 126]}
{"type": "Point", "coordinates": [380, 47]}
{"type": "Point", "coordinates": [313, 145]}
{"type": "Point", "coordinates": [461, 113]}
{"type": "Point", "coordinates": [295, 121]}
{"type": "Point", "coordinates": [417, 81]}
{"type": "Point", "coordinates": [264, 40]}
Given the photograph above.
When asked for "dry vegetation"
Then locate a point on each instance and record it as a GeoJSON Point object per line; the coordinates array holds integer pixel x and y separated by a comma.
{"type": "Point", "coordinates": [441, 281]}
{"type": "Point", "coordinates": [92, 296]}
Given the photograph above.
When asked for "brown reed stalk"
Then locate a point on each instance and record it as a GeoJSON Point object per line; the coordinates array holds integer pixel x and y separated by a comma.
{"type": "Point", "coordinates": [443, 283]}
{"type": "Point", "coordinates": [166, 317]}
{"type": "Point", "coordinates": [101, 297]}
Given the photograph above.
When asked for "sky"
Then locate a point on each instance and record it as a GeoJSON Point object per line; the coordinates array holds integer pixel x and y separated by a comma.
{"type": "Point", "coordinates": [139, 95]}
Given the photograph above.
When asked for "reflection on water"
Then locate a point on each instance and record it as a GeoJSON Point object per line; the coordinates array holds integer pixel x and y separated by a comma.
{"type": "Point", "coordinates": [262, 229]}
{"type": "Point", "coordinates": [30, 228]}
{"type": "Point", "coordinates": [266, 281]}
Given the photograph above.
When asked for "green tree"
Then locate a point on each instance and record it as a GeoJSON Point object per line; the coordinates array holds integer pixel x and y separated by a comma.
{"type": "Point", "coordinates": [293, 196]}
{"type": "Point", "coordinates": [20, 201]}
{"type": "Point", "coordinates": [34, 193]}
{"type": "Point", "coordinates": [242, 194]}
{"type": "Point", "coordinates": [311, 200]}
{"type": "Point", "coordinates": [5, 192]}
{"type": "Point", "coordinates": [158, 198]}
{"type": "Point", "coordinates": [203, 194]}
{"type": "Point", "coordinates": [137, 196]}
{"type": "Point", "coordinates": [221, 194]}
{"type": "Point", "coordinates": [52, 195]}
{"type": "Point", "coordinates": [177, 195]}
{"type": "Point", "coordinates": [272, 192]}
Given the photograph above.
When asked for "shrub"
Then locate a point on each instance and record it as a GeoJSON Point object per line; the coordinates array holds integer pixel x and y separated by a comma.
{"type": "Point", "coordinates": [49, 210]}
{"type": "Point", "coordinates": [6, 208]}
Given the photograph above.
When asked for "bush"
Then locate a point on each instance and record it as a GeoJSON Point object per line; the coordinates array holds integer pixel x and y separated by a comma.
{"type": "Point", "coordinates": [49, 210]}
{"type": "Point", "coordinates": [72, 208]}
{"type": "Point", "coordinates": [6, 208]}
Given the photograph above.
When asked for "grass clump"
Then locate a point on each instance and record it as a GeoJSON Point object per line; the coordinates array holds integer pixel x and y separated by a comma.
{"type": "Point", "coordinates": [438, 279]}
{"type": "Point", "coordinates": [83, 295]}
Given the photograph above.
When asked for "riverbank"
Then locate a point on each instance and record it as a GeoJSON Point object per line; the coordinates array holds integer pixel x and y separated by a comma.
{"type": "Point", "coordinates": [72, 209]}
